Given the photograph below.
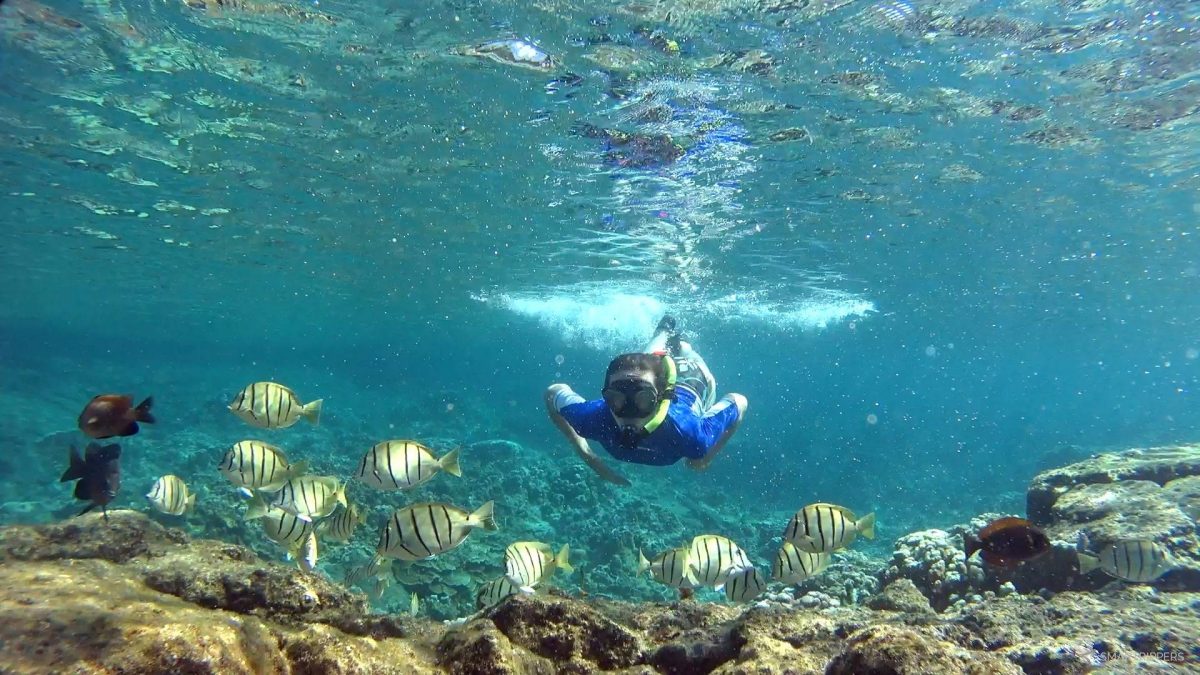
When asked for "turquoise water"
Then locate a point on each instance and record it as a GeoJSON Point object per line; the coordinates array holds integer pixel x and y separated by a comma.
{"type": "Point", "coordinates": [939, 246]}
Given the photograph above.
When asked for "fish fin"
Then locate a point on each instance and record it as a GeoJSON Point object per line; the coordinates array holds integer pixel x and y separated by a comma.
{"type": "Point", "coordinates": [304, 517]}
{"type": "Point", "coordinates": [805, 543]}
{"type": "Point", "coordinates": [561, 560]}
{"type": "Point", "coordinates": [484, 517]}
{"type": "Point", "coordinates": [340, 496]}
{"type": "Point", "coordinates": [449, 463]}
{"type": "Point", "coordinates": [190, 505]}
{"type": "Point", "coordinates": [298, 469]}
{"type": "Point", "coordinates": [308, 558]}
{"type": "Point", "coordinates": [527, 589]}
{"type": "Point", "coordinates": [130, 429]}
{"type": "Point", "coordinates": [361, 516]}
{"type": "Point", "coordinates": [643, 564]}
{"type": "Point", "coordinates": [76, 469]}
{"type": "Point", "coordinates": [690, 577]}
{"type": "Point", "coordinates": [87, 508]}
{"type": "Point", "coordinates": [1087, 562]}
{"type": "Point", "coordinates": [866, 525]}
{"type": "Point", "coordinates": [414, 604]}
{"type": "Point", "coordinates": [246, 492]}
{"type": "Point", "coordinates": [311, 411]}
{"type": "Point", "coordinates": [142, 412]}
{"type": "Point", "coordinates": [256, 508]}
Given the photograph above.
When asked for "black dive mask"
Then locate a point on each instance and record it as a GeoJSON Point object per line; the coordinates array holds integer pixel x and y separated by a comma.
{"type": "Point", "coordinates": [631, 398]}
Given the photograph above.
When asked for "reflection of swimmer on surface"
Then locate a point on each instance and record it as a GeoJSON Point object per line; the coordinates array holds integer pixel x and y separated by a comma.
{"type": "Point", "coordinates": [658, 407]}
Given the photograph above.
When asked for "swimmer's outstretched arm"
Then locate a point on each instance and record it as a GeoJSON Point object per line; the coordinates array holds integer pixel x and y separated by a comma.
{"type": "Point", "coordinates": [579, 443]}
{"type": "Point", "coordinates": [702, 463]}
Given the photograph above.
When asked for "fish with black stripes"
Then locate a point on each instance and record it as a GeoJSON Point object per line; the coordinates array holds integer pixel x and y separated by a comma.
{"type": "Point", "coordinates": [825, 528]}
{"type": "Point", "coordinates": [791, 565]}
{"type": "Point", "coordinates": [308, 497]}
{"type": "Point", "coordinates": [270, 405]}
{"type": "Point", "coordinates": [1139, 561]}
{"type": "Point", "coordinates": [170, 495]}
{"type": "Point", "coordinates": [340, 526]}
{"type": "Point", "coordinates": [255, 465]}
{"type": "Point", "coordinates": [297, 536]}
{"type": "Point", "coordinates": [714, 558]}
{"type": "Point", "coordinates": [491, 593]}
{"type": "Point", "coordinates": [427, 529]}
{"type": "Point", "coordinates": [671, 568]}
{"type": "Point", "coordinates": [529, 563]}
{"type": "Point", "coordinates": [403, 465]}
{"type": "Point", "coordinates": [744, 586]}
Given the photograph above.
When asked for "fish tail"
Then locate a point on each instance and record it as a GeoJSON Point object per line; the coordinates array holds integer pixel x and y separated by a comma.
{"type": "Point", "coordinates": [1087, 563]}
{"type": "Point", "coordinates": [311, 411]}
{"type": "Point", "coordinates": [340, 496]}
{"type": "Point", "coordinates": [190, 504]}
{"type": "Point", "coordinates": [485, 517]}
{"type": "Point", "coordinates": [971, 544]}
{"type": "Point", "coordinates": [142, 412]}
{"type": "Point", "coordinates": [643, 563]}
{"type": "Point", "coordinates": [866, 525]}
{"type": "Point", "coordinates": [449, 463]}
{"type": "Point", "coordinates": [255, 508]}
{"type": "Point", "coordinates": [561, 560]}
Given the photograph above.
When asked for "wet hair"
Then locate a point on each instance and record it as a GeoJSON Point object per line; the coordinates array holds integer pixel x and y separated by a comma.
{"type": "Point", "coordinates": [639, 362]}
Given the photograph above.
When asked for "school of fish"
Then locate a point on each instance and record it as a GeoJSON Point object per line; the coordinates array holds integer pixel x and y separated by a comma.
{"type": "Point", "coordinates": [296, 510]}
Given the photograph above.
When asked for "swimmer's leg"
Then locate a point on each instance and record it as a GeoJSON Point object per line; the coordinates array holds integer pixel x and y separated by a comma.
{"type": "Point", "coordinates": [698, 375]}
{"type": "Point", "coordinates": [666, 337]}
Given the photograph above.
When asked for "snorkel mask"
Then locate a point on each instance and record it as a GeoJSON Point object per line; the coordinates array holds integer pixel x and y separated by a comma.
{"type": "Point", "coordinates": [637, 398]}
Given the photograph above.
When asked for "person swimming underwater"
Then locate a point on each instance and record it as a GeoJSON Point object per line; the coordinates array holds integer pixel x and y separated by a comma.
{"type": "Point", "coordinates": [658, 407]}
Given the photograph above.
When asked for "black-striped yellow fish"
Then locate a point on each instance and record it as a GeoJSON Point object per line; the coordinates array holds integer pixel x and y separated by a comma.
{"type": "Point", "coordinates": [744, 586]}
{"type": "Point", "coordinates": [296, 536]}
{"type": "Point", "coordinates": [825, 528]}
{"type": "Point", "coordinates": [426, 529]}
{"type": "Point", "coordinates": [340, 526]}
{"type": "Point", "coordinates": [670, 568]}
{"type": "Point", "coordinates": [269, 405]}
{"type": "Point", "coordinates": [308, 497]}
{"type": "Point", "coordinates": [254, 465]}
{"type": "Point", "coordinates": [1138, 561]}
{"type": "Point", "coordinates": [714, 559]}
{"type": "Point", "coordinates": [528, 563]}
{"type": "Point", "coordinates": [792, 565]}
{"type": "Point", "coordinates": [491, 593]}
{"type": "Point", "coordinates": [170, 495]}
{"type": "Point", "coordinates": [401, 465]}
{"type": "Point", "coordinates": [360, 573]}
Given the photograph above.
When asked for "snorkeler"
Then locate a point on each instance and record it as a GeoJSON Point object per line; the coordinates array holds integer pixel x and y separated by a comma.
{"type": "Point", "coordinates": [658, 407]}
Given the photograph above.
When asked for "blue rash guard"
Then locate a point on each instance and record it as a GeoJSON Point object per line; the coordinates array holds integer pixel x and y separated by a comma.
{"type": "Point", "coordinates": [684, 433]}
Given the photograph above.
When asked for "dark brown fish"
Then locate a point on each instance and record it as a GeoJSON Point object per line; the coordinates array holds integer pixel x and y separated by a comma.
{"type": "Point", "coordinates": [110, 415]}
{"type": "Point", "coordinates": [1007, 542]}
{"type": "Point", "coordinates": [98, 472]}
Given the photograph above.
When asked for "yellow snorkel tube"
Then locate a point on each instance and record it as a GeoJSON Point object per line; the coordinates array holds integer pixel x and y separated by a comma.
{"type": "Point", "coordinates": [667, 396]}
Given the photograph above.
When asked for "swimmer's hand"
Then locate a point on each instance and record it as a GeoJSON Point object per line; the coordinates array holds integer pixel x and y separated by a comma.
{"type": "Point", "coordinates": [606, 473]}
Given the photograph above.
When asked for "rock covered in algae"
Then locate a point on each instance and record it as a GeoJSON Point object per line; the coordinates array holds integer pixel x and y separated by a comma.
{"type": "Point", "coordinates": [134, 597]}
{"type": "Point", "coordinates": [128, 595]}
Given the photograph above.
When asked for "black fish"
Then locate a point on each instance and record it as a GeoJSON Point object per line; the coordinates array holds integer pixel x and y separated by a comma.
{"type": "Point", "coordinates": [1007, 542]}
{"type": "Point", "coordinates": [98, 473]}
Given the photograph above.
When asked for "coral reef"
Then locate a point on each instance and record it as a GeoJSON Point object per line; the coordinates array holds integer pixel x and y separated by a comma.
{"type": "Point", "coordinates": [1133, 494]}
{"type": "Point", "coordinates": [132, 596]}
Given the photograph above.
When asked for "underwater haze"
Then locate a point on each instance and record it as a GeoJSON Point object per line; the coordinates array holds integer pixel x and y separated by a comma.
{"type": "Point", "coordinates": [939, 246]}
